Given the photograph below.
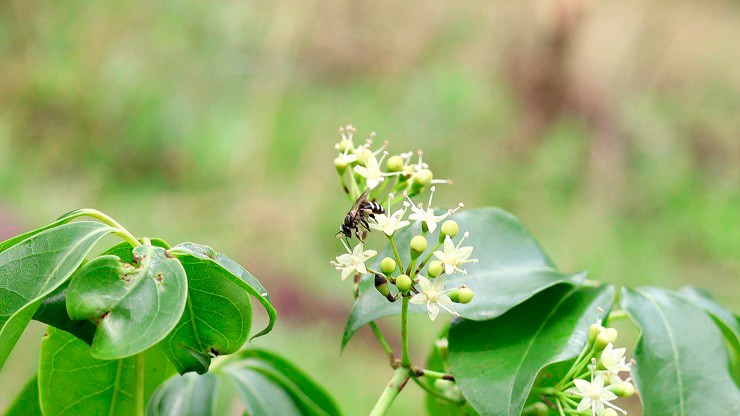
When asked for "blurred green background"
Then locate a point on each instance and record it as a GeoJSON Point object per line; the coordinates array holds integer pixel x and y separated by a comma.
{"type": "Point", "coordinates": [611, 128]}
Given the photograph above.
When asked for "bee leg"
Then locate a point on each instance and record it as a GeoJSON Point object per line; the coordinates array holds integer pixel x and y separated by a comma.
{"type": "Point", "coordinates": [364, 223]}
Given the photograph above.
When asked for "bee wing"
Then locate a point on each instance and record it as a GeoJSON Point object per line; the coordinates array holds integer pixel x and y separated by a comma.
{"type": "Point", "coordinates": [356, 207]}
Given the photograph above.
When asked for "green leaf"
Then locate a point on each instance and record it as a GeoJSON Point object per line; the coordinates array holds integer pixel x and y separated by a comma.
{"type": "Point", "coordinates": [310, 397]}
{"type": "Point", "coordinates": [496, 362]}
{"type": "Point", "coordinates": [235, 273]}
{"type": "Point", "coordinates": [264, 382]}
{"type": "Point", "coordinates": [726, 320]}
{"type": "Point", "coordinates": [53, 311]}
{"type": "Point", "coordinates": [64, 219]}
{"type": "Point", "coordinates": [72, 382]}
{"type": "Point", "coordinates": [133, 306]}
{"type": "Point", "coordinates": [187, 395]}
{"type": "Point", "coordinates": [682, 366]}
{"type": "Point", "coordinates": [217, 318]}
{"type": "Point", "coordinates": [34, 268]}
{"type": "Point", "coordinates": [512, 269]}
{"type": "Point", "coordinates": [435, 405]}
{"type": "Point", "coordinates": [27, 402]}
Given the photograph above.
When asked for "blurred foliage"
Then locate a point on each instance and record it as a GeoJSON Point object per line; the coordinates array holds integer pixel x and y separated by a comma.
{"type": "Point", "coordinates": [609, 128]}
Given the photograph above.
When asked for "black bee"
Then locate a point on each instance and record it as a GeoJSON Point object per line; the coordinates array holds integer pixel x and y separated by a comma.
{"type": "Point", "coordinates": [356, 216]}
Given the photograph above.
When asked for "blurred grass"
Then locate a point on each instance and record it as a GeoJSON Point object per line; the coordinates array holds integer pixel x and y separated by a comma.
{"type": "Point", "coordinates": [610, 129]}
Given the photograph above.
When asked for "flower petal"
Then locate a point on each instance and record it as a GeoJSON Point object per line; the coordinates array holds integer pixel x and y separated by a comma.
{"type": "Point", "coordinates": [439, 284]}
{"type": "Point", "coordinates": [433, 310]}
{"type": "Point", "coordinates": [584, 404]}
{"type": "Point", "coordinates": [583, 386]}
{"type": "Point", "coordinates": [424, 283]}
{"type": "Point", "coordinates": [418, 299]}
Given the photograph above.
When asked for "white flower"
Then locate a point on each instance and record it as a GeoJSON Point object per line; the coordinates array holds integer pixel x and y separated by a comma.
{"type": "Point", "coordinates": [371, 171]}
{"type": "Point", "coordinates": [346, 143]}
{"type": "Point", "coordinates": [345, 158]}
{"type": "Point", "coordinates": [434, 295]}
{"type": "Point", "coordinates": [427, 215]}
{"type": "Point", "coordinates": [353, 261]}
{"type": "Point", "coordinates": [595, 396]}
{"type": "Point", "coordinates": [455, 256]}
{"type": "Point", "coordinates": [389, 224]}
{"type": "Point", "coordinates": [613, 359]}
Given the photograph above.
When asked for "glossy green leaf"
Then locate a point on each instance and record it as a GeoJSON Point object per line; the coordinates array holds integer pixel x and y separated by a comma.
{"type": "Point", "coordinates": [727, 321]}
{"type": "Point", "coordinates": [512, 269]}
{"type": "Point", "coordinates": [35, 267]}
{"type": "Point", "coordinates": [264, 383]}
{"type": "Point", "coordinates": [53, 311]}
{"type": "Point", "coordinates": [682, 366]}
{"type": "Point", "coordinates": [217, 318]}
{"type": "Point", "coordinates": [210, 267]}
{"type": "Point", "coordinates": [496, 362]}
{"type": "Point", "coordinates": [309, 396]}
{"type": "Point", "coordinates": [27, 402]}
{"type": "Point", "coordinates": [133, 306]}
{"type": "Point", "coordinates": [64, 219]}
{"type": "Point", "coordinates": [448, 404]}
{"type": "Point", "coordinates": [72, 382]}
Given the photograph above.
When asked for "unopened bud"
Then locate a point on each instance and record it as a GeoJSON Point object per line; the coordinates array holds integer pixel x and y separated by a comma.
{"type": "Point", "coordinates": [623, 389]}
{"type": "Point", "coordinates": [610, 412]}
{"type": "Point", "coordinates": [443, 385]}
{"type": "Point", "coordinates": [593, 332]}
{"type": "Point", "coordinates": [394, 164]}
{"type": "Point", "coordinates": [443, 347]}
{"type": "Point", "coordinates": [464, 294]}
{"type": "Point", "coordinates": [341, 165]}
{"type": "Point", "coordinates": [422, 178]}
{"type": "Point", "coordinates": [344, 146]}
{"type": "Point", "coordinates": [387, 266]}
{"type": "Point", "coordinates": [435, 268]}
{"type": "Point", "coordinates": [450, 228]}
{"type": "Point", "coordinates": [605, 337]}
{"type": "Point", "coordinates": [403, 283]}
{"type": "Point", "coordinates": [381, 284]}
{"type": "Point", "coordinates": [418, 246]}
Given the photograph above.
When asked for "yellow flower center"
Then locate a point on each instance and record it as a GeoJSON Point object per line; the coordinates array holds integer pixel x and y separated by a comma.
{"type": "Point", "coordinates": [433, 295]}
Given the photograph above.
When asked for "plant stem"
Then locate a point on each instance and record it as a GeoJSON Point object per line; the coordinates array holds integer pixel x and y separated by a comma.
{"type": "Point", "coordinates": [395, 252]}
{"type": "Point", "coordinates": [434, 392]}
{"type": "Point", "coordinates": [383, 343]}
{"type": "Point", "coordinates": [405, 358]}
{"type": "Point", "coordinates": [139, 388]}
{"type": "Point", "coordinates": [123, 232]}
{"type": "Point", "coordinates": [395, 385]}
{"type": "Point", "coordinates": [436, 374]}
{"type": "Point", "coordinates": [426, 259]}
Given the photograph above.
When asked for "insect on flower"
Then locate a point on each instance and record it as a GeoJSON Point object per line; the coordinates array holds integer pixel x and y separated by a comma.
{"type": "Point", "coordinates": [356, 216]}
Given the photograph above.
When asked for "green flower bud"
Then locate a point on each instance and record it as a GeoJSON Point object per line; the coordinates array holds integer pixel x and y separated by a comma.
{"type": "Point", "coordinates": [341, 165]}
{"type": "Point", "coordinates": [537, 409]}
{"type": "Point", "coordinates": [450, 228]}
{"type": "Point", "coordinates": [443, 385]}
{"type": "Point", "coordinates": [610, 412]}
{"type": "Point", "coordinates": [394, 164]}
{"type": "Point", "coordinates": [387, 266]}
{"type": "Point", "coordinates": [605, 337]}
{"type": "Point", "coordinates": [464, 294]}
{"type": "Point", "coordinates": [443, 347]}
{"type": "Point", "coordinates": [435, 268]}
{"type": "Point", "coordinates": [344, 146]}
{"type": "Point", "coordinates": [418, 246]}
{"type": "Point", "coordinates": [403, 283]}
{"type": "Point", "coordinates": [454, 295]}
{"type": "Point", "coordinates": [593, 331]}
{"type": "Point", "coordinates": [623, 389]}
{"type": "Point", "coordinates": [422, 178]}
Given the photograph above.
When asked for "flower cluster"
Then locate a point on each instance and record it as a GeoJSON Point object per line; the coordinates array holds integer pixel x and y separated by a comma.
{"type": "Point", "coordinates": [594, 379]}
{"type": "Point", "coordinates": [361, 172]}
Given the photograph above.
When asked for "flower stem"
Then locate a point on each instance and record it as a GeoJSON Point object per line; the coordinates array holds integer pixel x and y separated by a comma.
{"type": "Point", "coordinates": [435, 374]}
{"type": "Point", "coordinates": [405, 358]}
{"type": "Point", "coordinates": [121, 231]}
{"type": "Point", "coordinates": [395, 385]}
{"type": "Point", "coordinates": [383, 343]}
{"type": "Point", "coordinates": [395, 252]}
{"type": "Point", "coordinates": [426, 259]}
{"type": "Point", "coordinates": [139, 388]}
{"type": "Point", "coordinates": [434, 392]}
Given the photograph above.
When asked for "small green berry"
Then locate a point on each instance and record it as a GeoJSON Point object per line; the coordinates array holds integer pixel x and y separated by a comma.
{"type": "Point", "coordinates": [443, 385]}
{"type": "Point", "coordinates": [403, 283]}
{"type": "Point", "coordinates": [394, 164]}
{"type": "Point", "coordinates": [537, 409]}
{"type": "Point", "coordinates": [387, 266]}
{"type": "Point", "coordinates": [605, 337]}
{"type": "Point", "coordinates": [422, 178]}
{"type": "Point", "coordinates": [341, 165]}
{"type": "Point", "coordinates": [593, 332]}
{"type": "Point", "coordinates": [623, 389]}
{"type": "Point", "coordinates": [381, 284]}
{"type": "Point", "coordinates": [435, 268]}
{"type": "Point", "coordinates": [450, 228]}
{"type": "Point", "coordinates": [418, 245]}
{"type": "Point", "coordinates": [464, 294]}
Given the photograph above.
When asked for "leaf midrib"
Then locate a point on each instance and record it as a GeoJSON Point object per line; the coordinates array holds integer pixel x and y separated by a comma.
{"type": "Point", "coordinates": [674, 348]}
